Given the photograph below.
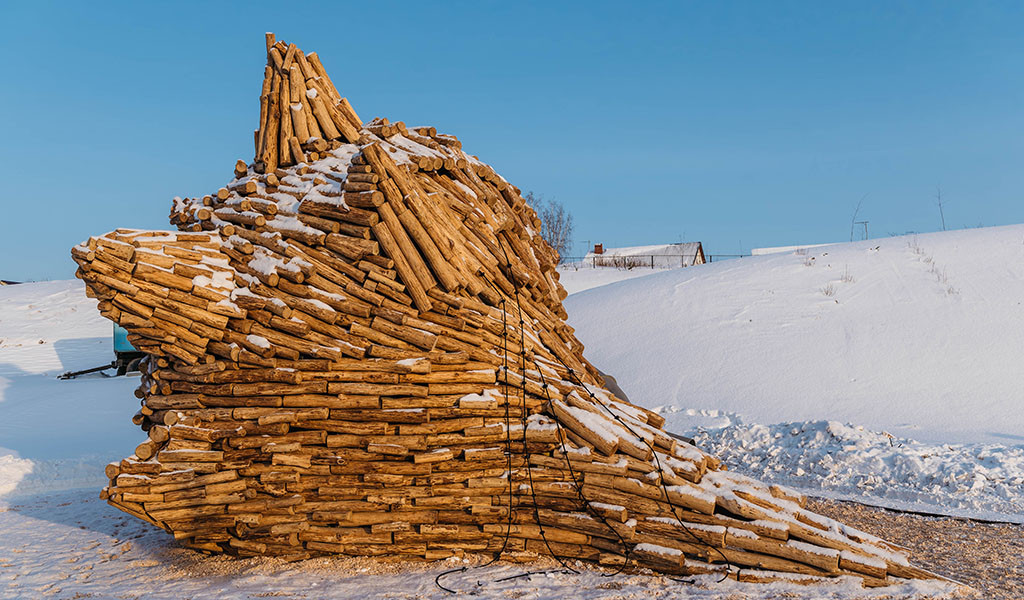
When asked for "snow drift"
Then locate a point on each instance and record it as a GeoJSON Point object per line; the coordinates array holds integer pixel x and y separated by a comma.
{"type": "Point", "coordinates": [916, 338]}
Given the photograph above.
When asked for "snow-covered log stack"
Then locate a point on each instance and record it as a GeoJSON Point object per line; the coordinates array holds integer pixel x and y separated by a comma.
{"type": "Point", "coordinates": [300, 109]}
{"type": "Point", "coordinates": [358, 346]}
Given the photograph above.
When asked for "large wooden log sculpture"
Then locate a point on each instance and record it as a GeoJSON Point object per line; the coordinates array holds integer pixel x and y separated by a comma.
{"type": "Point", "coordinates": [358, 346]}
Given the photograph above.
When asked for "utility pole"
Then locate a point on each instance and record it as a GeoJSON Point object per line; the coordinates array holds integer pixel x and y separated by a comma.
{"type": "Point", "coordinates": [938, 200]}
{"type": "Point", "coordinates": [854, 221]}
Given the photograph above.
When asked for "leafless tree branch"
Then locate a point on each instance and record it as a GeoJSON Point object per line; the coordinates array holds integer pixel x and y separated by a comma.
{"type": "Point", "coordinates": [555, 222]}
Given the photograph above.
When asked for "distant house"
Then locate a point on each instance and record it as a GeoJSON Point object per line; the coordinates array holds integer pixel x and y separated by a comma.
{"type": "Point", "coordinates": [662, 256]}
{"type": "Point", "coordinates": [6, 282]}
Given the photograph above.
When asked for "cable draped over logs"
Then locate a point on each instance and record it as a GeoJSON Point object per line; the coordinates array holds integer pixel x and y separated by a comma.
{"type": "Point", "coordinates": [358, 346]}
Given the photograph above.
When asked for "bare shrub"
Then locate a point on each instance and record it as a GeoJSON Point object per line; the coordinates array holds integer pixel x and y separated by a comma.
{"type": "Point", "coordinates": [940, 276]}
{"type": "Point", "coordinates": [847, 277]}
{"type": "Point", "coordinates": [914, 246]}
{"type": "Point", "coordinates": [555, 222]}
{"type": "Point", "coordinates": [829, 290]}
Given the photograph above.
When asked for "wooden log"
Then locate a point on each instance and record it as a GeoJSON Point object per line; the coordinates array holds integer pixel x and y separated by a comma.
{"type": "Point", "coordinates": [349, 113]}
{"type": "Point", "coordinates": [297, 155]}
{"type": "Point", "coordinates": [285, 131]}
{"type": "Point", "coordinates": [322, 116]}
{"type": "Point", "coordinates": [441, 268]}
{"type": "Point", "coordinates": [589, 428]}
{"type": "Point", "coordinates": [314, 61]}
{"type": "Point", "coordinates": [407, 272]}
{"type": "Point", "coordinates": [270, 135]}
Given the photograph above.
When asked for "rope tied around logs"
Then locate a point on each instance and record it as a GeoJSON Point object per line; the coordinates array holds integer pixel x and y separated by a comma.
{"type": "Point", "coordinates": [664, 489]}
{"type": "Point", "coordinates": [508, 453]}
{"type": "Point", "coordinates": [564, 448]}
{"type": "Point", "coordinates": [572, 373]}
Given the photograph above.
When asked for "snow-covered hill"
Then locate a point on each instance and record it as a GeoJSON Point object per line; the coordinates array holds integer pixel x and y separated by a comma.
{"type": "Point", "coordinates": [919, 339]}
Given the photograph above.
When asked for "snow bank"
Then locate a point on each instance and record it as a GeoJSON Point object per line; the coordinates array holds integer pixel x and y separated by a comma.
{"type": "Point", "coordinates": [919, 336]}
{"type": "Point", "coordinates": [831, 459]}
{"type": "Point", "coordinates": [12, 470]}
{"type": "Point", "coordinates": [47, 326]}
{"type": "Point", "coordinates": [914, 339]}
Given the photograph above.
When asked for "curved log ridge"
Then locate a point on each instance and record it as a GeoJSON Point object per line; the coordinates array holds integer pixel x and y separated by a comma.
{"type": "Point", "coordinates": [358, 346]}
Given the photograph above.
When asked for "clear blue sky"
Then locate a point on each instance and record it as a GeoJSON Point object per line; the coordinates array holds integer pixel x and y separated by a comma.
{"type": "Point", "coordinates": [739, 124]}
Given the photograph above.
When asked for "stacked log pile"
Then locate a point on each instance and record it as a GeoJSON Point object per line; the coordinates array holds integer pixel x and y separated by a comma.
{"type": "Point", "coordinates": [358, 346]}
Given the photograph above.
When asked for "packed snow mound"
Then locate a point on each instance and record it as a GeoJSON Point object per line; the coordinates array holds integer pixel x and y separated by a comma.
{"type": "Point", "coordinates": [919, 336]}
{"type": "Point", "coordinates": [837, 460]}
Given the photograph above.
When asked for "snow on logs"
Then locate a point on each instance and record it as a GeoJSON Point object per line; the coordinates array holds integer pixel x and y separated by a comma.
{"type": "Point", "coordinates": [300, 109]}
{"type": "Point", "coordinates": [358, 346]}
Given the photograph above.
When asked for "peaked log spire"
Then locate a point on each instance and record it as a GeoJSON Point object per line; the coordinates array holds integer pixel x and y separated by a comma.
{"type": "Point", "coordinates": [299, 107]}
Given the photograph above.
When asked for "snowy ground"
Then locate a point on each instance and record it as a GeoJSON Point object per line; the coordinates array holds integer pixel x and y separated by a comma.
{"type": "Point", "coordinates": [58, 434]}
{"type": "Point", "coordinates": [578, 277]}
{"type": "Point", "coordinates": [58, 540]}
{"type": "Point", "coordinates": [72, 545]}
{"type": "Point", "coordinates": [886, 371]}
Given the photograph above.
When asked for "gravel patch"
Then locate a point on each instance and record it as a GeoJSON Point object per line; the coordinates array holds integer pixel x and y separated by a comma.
{"type": "Point", "coordinates": [989, 557]}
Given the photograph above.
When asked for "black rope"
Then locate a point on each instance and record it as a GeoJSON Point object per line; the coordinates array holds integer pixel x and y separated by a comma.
{"type": "Point", "coordinates": [579, 487]}
{"type": "Point", "coordinates": [558, 425]}
{"type": "Point", "coordinates": [572, 373]}
{"type": "Point", "coordinates": [562, 437]}
{"type": "Point", "coordinates": [508, 436]}
{"type": "Point", "coordinates": [522, 416]}
{"type": "Point", "coordinates": [566, 569]}
{"type": "Point", "coordinates": [508, 453]}
{"type": "Point", "coordinates": [437, 580]}
{"type": "Point", "coordinates": [664, 489]}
